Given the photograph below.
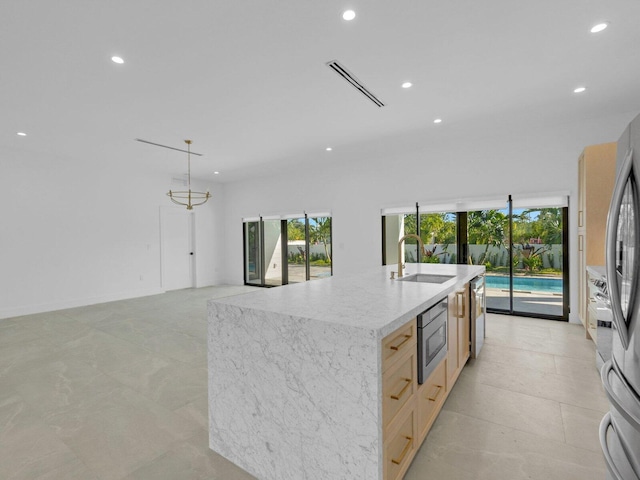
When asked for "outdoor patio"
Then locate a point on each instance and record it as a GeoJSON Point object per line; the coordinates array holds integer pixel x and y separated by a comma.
{"type": "Point", "coordinates": [525, 302]}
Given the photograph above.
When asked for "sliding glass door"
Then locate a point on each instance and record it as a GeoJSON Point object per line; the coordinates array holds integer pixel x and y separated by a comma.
{"type": "Point", "coordinates": [320, 263]}
{"type": "Point", "coordinates": [488, 245]}
{"type": "Point", "coordinates": [252, 253]}
{"type": "Point", "coordinates": [524, 251]}
{"type": "Point", "coordinates": [437, 230]}
{"type": "Point", "coordinates": [297, 252]}
{"type": "Point", "coordinates": [282, 251]}
{"type": "Point", "coordinates": [538, 278]}
{"type": "Point", "coordinates": [394, 227]}
{"type": "Point", "coordinates": [272, 248]}
{"type": "Point", "coordinates": [438, 233]}
{"type": "Point", "coordinates": [521, 242]}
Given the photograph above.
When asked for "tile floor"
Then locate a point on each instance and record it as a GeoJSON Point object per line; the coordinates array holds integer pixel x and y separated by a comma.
{"type": "Point", "coordinates": [118, 391]}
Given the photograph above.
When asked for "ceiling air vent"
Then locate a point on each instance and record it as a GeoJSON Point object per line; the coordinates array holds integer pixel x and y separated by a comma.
{"type": "Point", "coordinates": [349, 77]}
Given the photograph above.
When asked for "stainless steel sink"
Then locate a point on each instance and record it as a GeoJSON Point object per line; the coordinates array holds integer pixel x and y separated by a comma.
{"type": "Point", "coordinates": [426, 278]}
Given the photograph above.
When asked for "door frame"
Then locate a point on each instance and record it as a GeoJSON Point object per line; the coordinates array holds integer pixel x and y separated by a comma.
{"type": "Point", "coordinates": [191, 244]}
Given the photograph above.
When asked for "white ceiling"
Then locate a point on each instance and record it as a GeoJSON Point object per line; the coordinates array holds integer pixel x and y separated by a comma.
{"type": "Point", "coordinates": [246, 80]}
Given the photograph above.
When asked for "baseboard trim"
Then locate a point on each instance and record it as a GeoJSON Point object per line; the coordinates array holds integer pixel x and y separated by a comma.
{"type": "Point", "coordinates": [81, 302]}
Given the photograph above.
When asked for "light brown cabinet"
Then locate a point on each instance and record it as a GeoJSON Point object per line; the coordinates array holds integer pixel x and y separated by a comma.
{"type": "Point", "coordinates": [596, 177]}
{"type": "Point", "coordinates": [458, 334]}
{"type": "Point", "coordinates": [431, 396]}
{"type": "Point", "coordinates": [399, 387]}
{"type": "Point", "coordinates": [452, 343]}
{"type": "Point", "coordinates": [409, 409]}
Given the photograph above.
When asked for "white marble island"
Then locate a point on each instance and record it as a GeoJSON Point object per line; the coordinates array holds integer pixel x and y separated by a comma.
{"type": "Point", "coordinates": [295, 372]}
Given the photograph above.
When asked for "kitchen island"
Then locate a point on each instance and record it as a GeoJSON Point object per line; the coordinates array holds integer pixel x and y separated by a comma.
{"type": "Point", "coordinates": [295, 372]}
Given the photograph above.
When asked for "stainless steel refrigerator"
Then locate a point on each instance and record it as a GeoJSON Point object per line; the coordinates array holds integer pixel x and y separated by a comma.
{"type": "Point", "coordinates": [620, 427]}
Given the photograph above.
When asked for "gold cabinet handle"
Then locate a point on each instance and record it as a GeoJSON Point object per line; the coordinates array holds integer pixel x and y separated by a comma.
{"type": "Point", "coordinates": [404, 389]}
{"type": "Point", "coordinates": [461, 302]}
{"type": "Point", "coordinates": [406, 339]}
{"type": "Point", "coordinates": [404, 452]}
{"type": "Point", "coordinates": [436, 393]}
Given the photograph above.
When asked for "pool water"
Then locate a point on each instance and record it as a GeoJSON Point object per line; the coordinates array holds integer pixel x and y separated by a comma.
{"type": "Point", "coordinates": [527, 284]}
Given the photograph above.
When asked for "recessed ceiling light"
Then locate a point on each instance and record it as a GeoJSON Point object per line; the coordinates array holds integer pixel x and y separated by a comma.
{"type": "Point", "coordinates": [437, 120]}
{"type": "Point", "coordinates": [579, 89]}
{"type": "Point", "coordinates": [216, 173]}
{"type": "Point", "coordinates": [328, 149]}
{"type": "Point", "coordinates": [407, 85]}
{"type": "Point", "coordinates": [349, 15]}
{"type": "Point", "coordinates": [116, 59]}
{"type": "Point", "coordinates": [22, 134]}
{"type": "Point", "coordinates": [599, 27]}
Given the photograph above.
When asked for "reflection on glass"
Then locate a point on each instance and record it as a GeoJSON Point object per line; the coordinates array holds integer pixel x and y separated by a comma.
{"type": "Point", "coordinates": [625, 247]}
{"type": "Point", "coordinates": [438, 232]}
{"type": "Point", "coordinates": [535, 258]}
{"type": "Point", "coordinates": [296, 250]}
{"type": "Point", "coordinates": [395, 227]}
{"type": "Point", "coordinates": [253, 258]}
{"type": "Point", "coordinates": [272, 249]}
{"type": "Point", "coordinates": [488, 237]}
{"type": "Point", "coordinates": [408, 223]}
{"type": "Point", "coordinates": [537, 261]}
{"type": "Point", "coordinates": [319, 247]}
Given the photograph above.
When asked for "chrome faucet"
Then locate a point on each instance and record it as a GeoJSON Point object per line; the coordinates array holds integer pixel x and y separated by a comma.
{"type": "Point", "coordinates": [400, 266]}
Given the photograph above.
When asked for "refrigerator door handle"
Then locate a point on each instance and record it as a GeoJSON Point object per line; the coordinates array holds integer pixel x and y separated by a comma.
{"type": "Point", "coordinates": [604, 426]}
{"type": "Point", "coordinates": [610, 250]}
{"type": "Point", "coordinates": [613, 398]}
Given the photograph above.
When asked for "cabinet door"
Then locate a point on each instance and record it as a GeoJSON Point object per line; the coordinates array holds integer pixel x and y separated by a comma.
{"type": "Point", "coordinates": [431, 395]}
{"type": "Point", "coordinates": [464, 327]}
{"type": "Point", "coordinates": [452, 342]}
{"type": "Point", "coordinates": [582, 282]}
{"type": "Point", "coordinates": [396, 344]}
{"type": "Point", "coordinates": [400, 446]}
{"type": "Point", "coordinates": [398, 386]}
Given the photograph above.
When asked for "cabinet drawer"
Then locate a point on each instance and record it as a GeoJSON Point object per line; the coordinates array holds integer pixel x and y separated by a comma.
{"type": "Point", "coordinates": [397, 343]}
{"type": "Point", "coordinates": [400, 447]}
{"type": "Point", "coordinates": [431, 395]}
{"type": "Point", "coordinates": [398, 386]}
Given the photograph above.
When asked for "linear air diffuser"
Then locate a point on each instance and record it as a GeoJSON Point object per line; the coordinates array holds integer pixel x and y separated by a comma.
{"type": "Point", "coordinates": [349, 77]}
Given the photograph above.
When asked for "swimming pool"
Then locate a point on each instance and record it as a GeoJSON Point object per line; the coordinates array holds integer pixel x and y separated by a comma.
{"type": "Point", "coordinates": [527, 284]}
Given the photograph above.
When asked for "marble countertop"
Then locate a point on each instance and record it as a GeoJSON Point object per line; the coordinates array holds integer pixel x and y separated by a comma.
{"type": "Point", "coordinates": [368, 300]}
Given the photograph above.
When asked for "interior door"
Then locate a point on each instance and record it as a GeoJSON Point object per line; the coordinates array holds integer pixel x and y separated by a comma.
{"type": "Point", "coordinates": [176, 247]}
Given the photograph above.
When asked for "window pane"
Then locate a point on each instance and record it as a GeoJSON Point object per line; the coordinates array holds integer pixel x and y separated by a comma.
{"type": "Point", "coordinates": [253, 258]}
{"type": "Point", "coordinates": [320, 247]}
{"type": "Point", "coordinates": [488, 234]}
{"type": "Point", "coordinates": [537, 261]}
{"type": "Point", "coordinates": [438, 232]}
{"type": "Point", "coordinates": [397, 226]}
{"type": "Point", "coordinates": [296, 250]}
{"type": "Point", "coordinates": [272, 252]}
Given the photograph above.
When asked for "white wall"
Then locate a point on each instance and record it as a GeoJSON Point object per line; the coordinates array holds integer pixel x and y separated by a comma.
{"type": "Point", "coordinates": [355, 188]}
{"type": "Point", "coordinates": [81, 232]}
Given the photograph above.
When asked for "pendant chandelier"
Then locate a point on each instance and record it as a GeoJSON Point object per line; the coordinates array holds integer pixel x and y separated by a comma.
{"type": "Point", "coordinates": [187, 197]}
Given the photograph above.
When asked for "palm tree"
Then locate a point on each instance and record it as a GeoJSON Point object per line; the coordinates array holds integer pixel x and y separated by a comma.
{"type": "Point", "coordinates": [486, 227]}
{"type": "Point", "coordinates": [321, 233]}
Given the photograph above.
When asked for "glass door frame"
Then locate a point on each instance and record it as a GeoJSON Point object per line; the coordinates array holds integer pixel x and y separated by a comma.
{"type": "Point", "coordinates": [284, 240]}
{"type": "Point", "coordinates": [259, 249]}
{"type": "Point", "coordinates": [463, 250]}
